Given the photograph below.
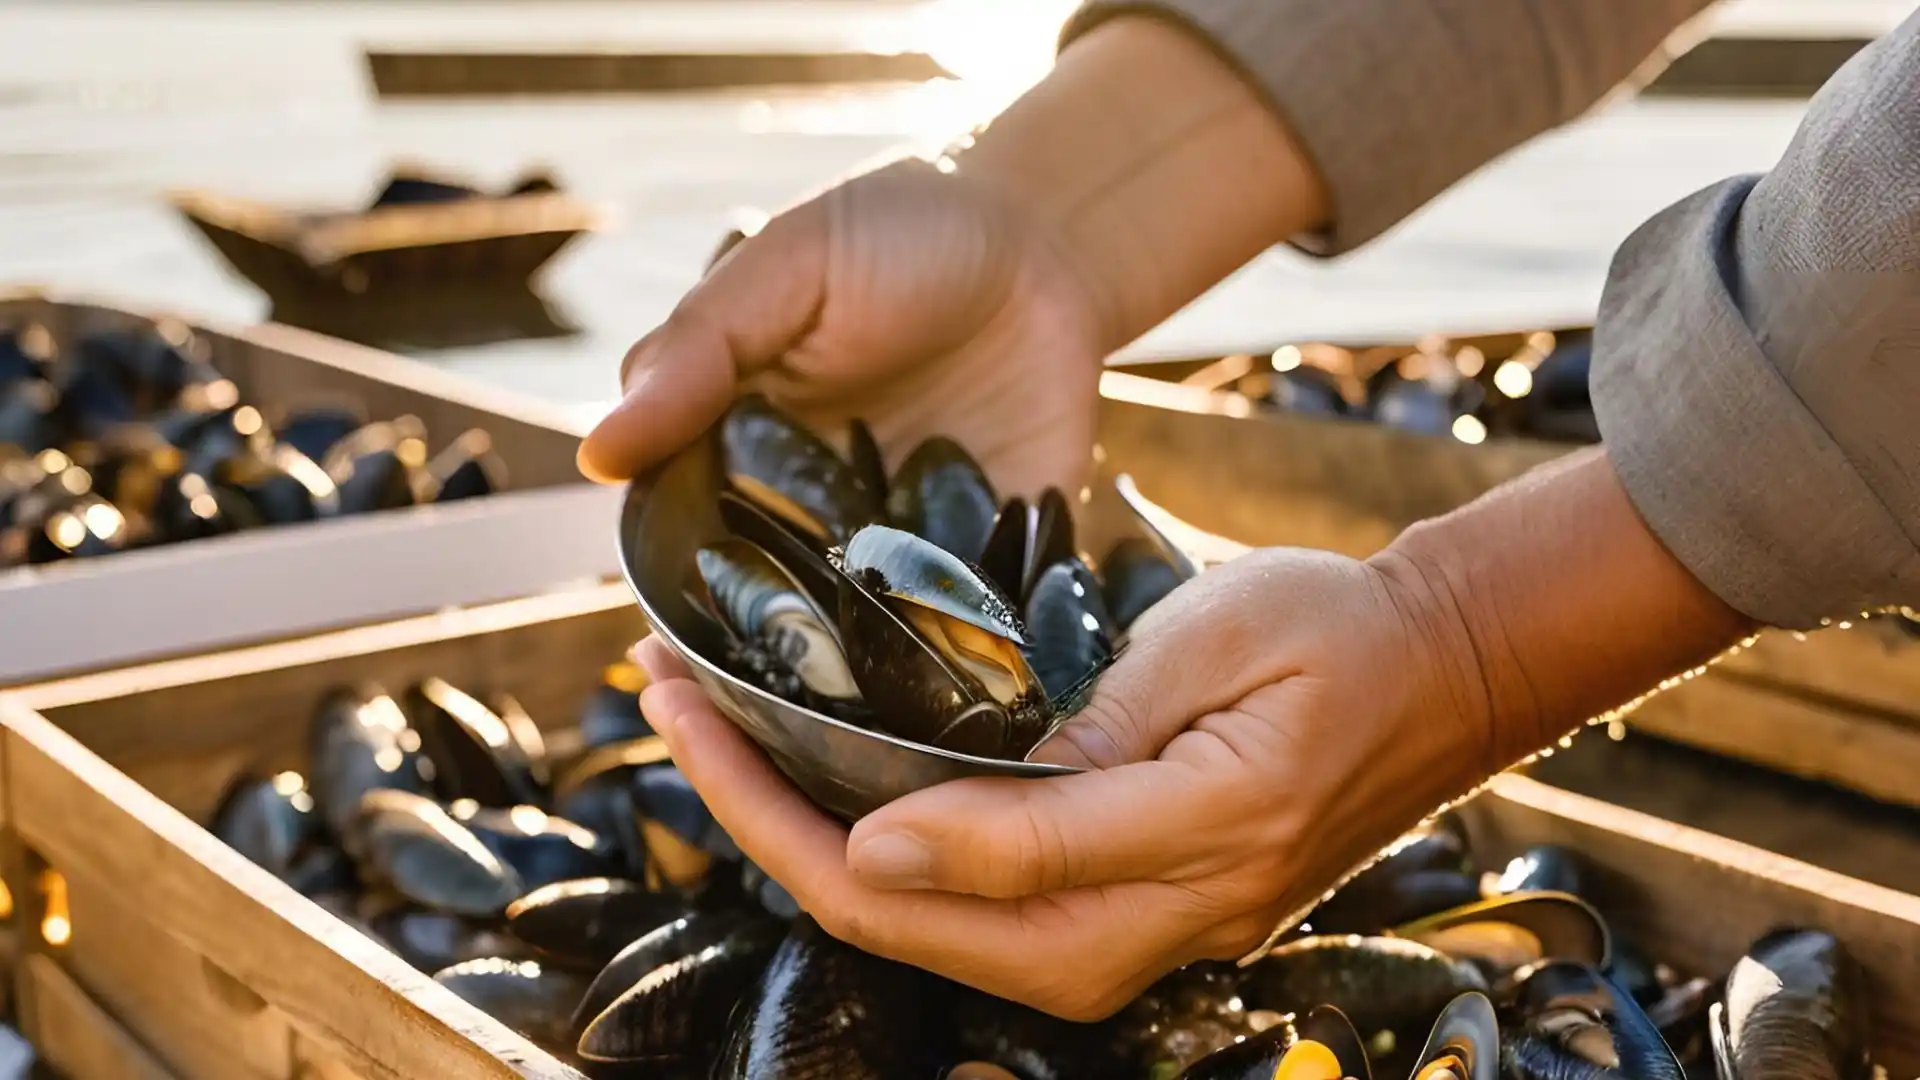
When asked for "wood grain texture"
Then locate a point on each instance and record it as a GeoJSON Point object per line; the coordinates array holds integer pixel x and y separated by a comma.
{"type": "Point", "coordinates": [338, 988]}
{"type": "Point", "coordinates": [1697, 900]}
{"type": "Point", "coordinates": [1871, 664]}
{"type": "Point", "coordinates": [1804, 735]}
{"type": "Point", "coordinates": [75, 1036]}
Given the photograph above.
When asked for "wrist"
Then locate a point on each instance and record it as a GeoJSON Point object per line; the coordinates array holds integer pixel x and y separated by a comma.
{"type": "Point", "coordinates": [1155, 165]}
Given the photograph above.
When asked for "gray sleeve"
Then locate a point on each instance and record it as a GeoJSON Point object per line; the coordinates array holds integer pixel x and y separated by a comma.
{"type": "Point", "coordinates": [1395, 100]}
{"type": "Point", "coordinates": [1757, 362]}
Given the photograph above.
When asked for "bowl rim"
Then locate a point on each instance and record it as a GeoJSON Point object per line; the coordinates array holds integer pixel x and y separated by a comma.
{"type": "Point", "coordinates": [637, 492]}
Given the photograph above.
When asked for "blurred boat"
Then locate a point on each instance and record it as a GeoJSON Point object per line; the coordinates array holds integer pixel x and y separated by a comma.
{"type": "Point", "coordinates": [430, 262]}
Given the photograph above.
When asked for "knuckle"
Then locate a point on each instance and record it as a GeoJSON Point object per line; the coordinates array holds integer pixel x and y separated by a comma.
{"type": "Point", "coordinates": [1041, 860]}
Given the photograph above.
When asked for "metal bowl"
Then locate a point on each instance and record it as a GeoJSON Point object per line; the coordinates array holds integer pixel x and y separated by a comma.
{"type": "Point", "coordinates": [849, 771]}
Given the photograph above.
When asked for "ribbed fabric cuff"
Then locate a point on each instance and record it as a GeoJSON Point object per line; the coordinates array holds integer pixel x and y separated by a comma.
{"type": "Point", "coordinates": [1390, 101]}
{"type": "Point", "coordinates": [1721, 457]}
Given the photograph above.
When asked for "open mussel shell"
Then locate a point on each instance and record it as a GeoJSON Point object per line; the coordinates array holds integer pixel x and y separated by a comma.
{"type": "Point", "coordinates": [1464, 1044]}
{"type": "Point", "coordinates": [1796, 996]}
{"type": "Point", "coordinates": [1576, 1024]}
{"type": "Point", "coordinates": [850, 771]}
{"type": "Point", "coordinates": [1509, 932]}
{"type": "Point", "coordinates": [792, 473]}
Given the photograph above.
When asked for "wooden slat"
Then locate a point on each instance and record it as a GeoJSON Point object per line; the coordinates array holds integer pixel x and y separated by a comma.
{"type": "Point", "coordinates": [349, 994]}
{"type": "Point", "coordinates": [1802, 735]}
{"type": "Point", "coordinates": [1871, 664]}
{"type": "Point", "coordinates": [1697, 900]}
{"type": "Point", "coordinates": [75, 1036]}
{"type": "Point", "coordinates": [402, 74]}
{"type": "Point", "coordinates": [249, 707]}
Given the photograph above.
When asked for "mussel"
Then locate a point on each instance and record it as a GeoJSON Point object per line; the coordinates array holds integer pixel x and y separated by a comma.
{"type": "Point", "coordinates": [790, 472]}
{"type": "Point", "coordinates": [781, 639]}
{"type": "Point", "coordinates": [1578, 1025]}
{"type": "Point", "coordinates": [1796, 1007]}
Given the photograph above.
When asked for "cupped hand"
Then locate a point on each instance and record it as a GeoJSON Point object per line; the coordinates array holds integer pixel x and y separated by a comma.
{"type": "Point", "coordinates": [1274, 722]}
{"type": "Point", "coordinates": [909, 297]}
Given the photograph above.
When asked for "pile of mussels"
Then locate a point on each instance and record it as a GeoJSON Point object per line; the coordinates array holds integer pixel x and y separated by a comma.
{"type": "Point", "coordinates": [587, 899]}
{"type": "Point", "coordinates": [130, 438]}
{"type": "Point", "coordinates": [917, 604]}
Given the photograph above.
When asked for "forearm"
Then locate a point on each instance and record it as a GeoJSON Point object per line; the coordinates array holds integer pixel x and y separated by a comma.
{"type": "Point", "coordinates": [1160, 168]}
{"type": "Point", "coordinates": [1551, 602]}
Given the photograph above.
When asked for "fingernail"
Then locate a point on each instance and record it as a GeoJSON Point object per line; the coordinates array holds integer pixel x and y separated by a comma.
{"type": "Point", "coordinates": [634, 369]}
{"type": "Point", "coordinates": [894, 861]}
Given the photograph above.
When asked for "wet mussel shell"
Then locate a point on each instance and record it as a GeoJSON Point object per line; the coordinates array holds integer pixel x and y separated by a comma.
{"type": "Point", "coordinates": [493, 758]}
{"type": "Point", "coordinates": [942, 495]}
{"type": "Point", "coordinates": [362, 742]}
{"type": "Point", "coordinates": [1795, 1003]}
{"type": "Point", "coordinates": [271, 821]}
{"type": "Point", "coordinates": [793, 474]}
{"type": "Point", "coordinates": [1135, 575]}
{"type": "Point", "coordinates": [886, 1018]}
{"type": "Point", "coordinates": [1382, 984]}
{"type": "Point", "coordinates": [434, 940]}
{"type": "Point", "coordinates": [1072, 634]}
{"type": "Point", "coordinates": [1508, 932]}
{"type": "Point", "coordinates": [781, 637]}
{"type": "Point", "coordinates": [1321, 1045]}
{"type": "Point", "coordinates": [612, 713]}
{"type": "Point", "coordinates": [1576, 1024]}
{"type": "Point", "coordinates": [678, 939]}
{"type": "Point", "coordinates": [541, 848]}
{"type": "Point", "coordinates": [1464, 1043]}
{"type": "Point", "coordinates": [1544, 868]}
{"type": "Point", "coordinates": [678, 1011]}
{"type": "Point", "coordinates": [467, 469]}
{"type": "Point", "coordinates": [413, 846]}
{"type": "Point", "coordinates": [525, 995]}
{"type": "Point", "coordinates": [1422, 873]}
{"type": "Point", "coordinates": [584, 924]}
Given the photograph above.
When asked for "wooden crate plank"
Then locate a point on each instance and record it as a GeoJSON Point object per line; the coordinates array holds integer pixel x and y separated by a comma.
{"type": "Point", "coordinates": [75, 1036]}
{"type": "Point", "coordinates": [1697, 900]}
{"type": "Point", "coordinates": [1873, 753]}
{"type": "Point", "coordinates": [365, 1005]}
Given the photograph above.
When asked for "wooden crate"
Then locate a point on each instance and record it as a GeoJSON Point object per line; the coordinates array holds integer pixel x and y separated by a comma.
{"type": "Point", "coordinates": [1841, 705]}
{"type": "Point", "coordinates": [549, 528]}
{"type": "Point", "coordinates": [209, 967]}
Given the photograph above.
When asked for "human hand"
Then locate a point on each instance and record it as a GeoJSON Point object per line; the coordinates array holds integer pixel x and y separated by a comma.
{"type": "Point", "coordinates": [1274, 722]}
{"type": "Point", "coordinates": [911, 298]}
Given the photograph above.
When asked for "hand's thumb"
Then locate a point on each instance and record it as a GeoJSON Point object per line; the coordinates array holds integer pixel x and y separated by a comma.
{"type": "Point", "coordinates": [750, 310]}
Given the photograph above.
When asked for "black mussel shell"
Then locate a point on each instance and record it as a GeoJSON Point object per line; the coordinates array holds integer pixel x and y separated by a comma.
{"type": "Point", "coordinates": [1069, 629]}
{"type": "Point", "coordinates": [433, 940]}
{"type": "Point", "coordinates": [681, 835]}
{"type": "Point", "coordinates": [1052, 541]}
{"type": "Point", "coordinates": [863, 453]}
{"type": "Point", "coordinates": [1308, 389]}
{"type": "Point", "coordinates": [1423, 872]}
{"type": "Point", "coordinates": [466, 469]}
{"type": "Point", "coordinates": [409, 190]}
{"type": "Point", "coordinates": [1464, 1043]}
{"type": "Point", "coordinates": [541, 848]}
{"type": "Point", "coordinates": [1512, 931]}
{"type": "Point", "coordinates": [362, 742]}
{"type": "Point", "coordinates": [961, 650]}
{"type": "Point", "coordinates": [86, 526]}
{"type": "Point", "coordinates": [16, 360]}
{"type": "Point", "coordinates": [314, 431]}
{"type": "Point", "coordinates": [283, 485]}
{"type": "Point", "coordinates": [596, 792]}
{"type": "Point", "coordinates": [379, 467]}
{"type": "Point", "coordinates": [272, 821]}
{"type": "Point", "coordinates": [886, 1019]}
{"type": "Point", "coordinates": [191, 506]}
{"type": "Point", "coordinates": [793, 474]}
{"type": "Point", "coordinates": [612, 713]}
{"type": "Point", "coordinates": [29, 417]}
{"type": "Point", "coordinates": [495, 759]}
{"type": "Point", "coordinates": [1136, 575]}
{"type": "Point", "coordinates": [1003, 558]}
{"type": "Point", "coordinates": [685, 936]}
{"type": "Point", "coordinates": [782, 639]}
{"type": "Point", "coordinates": [324, 869]}
{"type": "Point", "coordinates": [413, 846]}
{"type": "Point", "coordinates": [149, 367]}
{"type": "Point", "coordinates": [677, 1012]}
{"type": "Point", "coordinates": [1321, 1045]}
{"type": "Point", "coordinates": [584, 924]}
{"type": "Point", "coordinates": [1383, 985]}
{"type": "Point", "coordinates": [1634, 972]}
{"type": "Point", "coordinates": [1189, 1014]}
{"type": "Point", "coordinates": [942, 495]}
{"type": "Point", "coordinates": [817, 577]}
{"type": "Point", "coordinates": [1034, 1046]}
{"type": "Point", "coordinates": [1795, 1003]}
{"type": "Point", "coordinates": [768, 893]}
{"type": "Point", "coordinates": [529, 997]}
{"type": "Point", "coordinates": [1545, 868]}
{"type": "Point", "coordinates": [1578, 1025]}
